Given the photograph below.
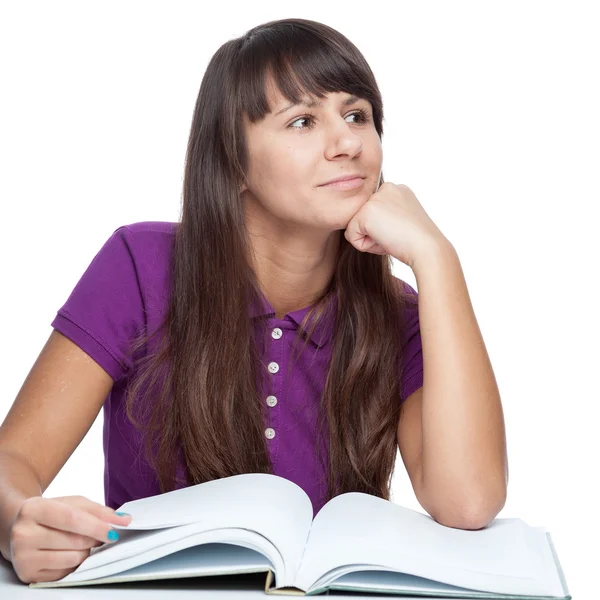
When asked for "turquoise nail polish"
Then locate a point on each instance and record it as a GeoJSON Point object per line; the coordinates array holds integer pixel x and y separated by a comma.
{"type": "Point", "coordinates": [113, 535]}
{"type": "Point", "coordinates": [122, 514]}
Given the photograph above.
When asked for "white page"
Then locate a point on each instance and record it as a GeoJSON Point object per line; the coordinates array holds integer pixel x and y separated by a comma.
{"type": "Point", "coordinates": [357, 528]}
{"type": "Point", "coordinates": [208, 559]}
{"type": "Point", "coordinates": [273, 506]}
{"type": "Point", "coordinates": [207, 556]}
{"type": "Point", "coordinates": [390, 581]}
{"type": "Point", "coordinates": [134, 544]}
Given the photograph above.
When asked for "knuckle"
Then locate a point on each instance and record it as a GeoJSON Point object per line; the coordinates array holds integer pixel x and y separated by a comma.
{"type": "Point", "coordinates": [19, 533]}
{"type": "Point", "coordinates": [27, 509]}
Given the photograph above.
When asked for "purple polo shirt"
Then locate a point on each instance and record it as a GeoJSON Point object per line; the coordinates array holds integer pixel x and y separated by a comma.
{"type": "Point", "coordinates": [125, 289]}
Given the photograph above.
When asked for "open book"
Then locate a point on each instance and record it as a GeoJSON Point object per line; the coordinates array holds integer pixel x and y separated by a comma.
{"type": "Point", "coordinates": [259, 522]}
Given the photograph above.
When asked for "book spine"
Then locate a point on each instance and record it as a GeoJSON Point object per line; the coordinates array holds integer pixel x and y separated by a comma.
{"type": "Point", "coordinates": [273, 591]}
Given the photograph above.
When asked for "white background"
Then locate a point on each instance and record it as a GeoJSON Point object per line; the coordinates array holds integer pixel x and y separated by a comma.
{"type": "Point", "coordinates": [491, 118]}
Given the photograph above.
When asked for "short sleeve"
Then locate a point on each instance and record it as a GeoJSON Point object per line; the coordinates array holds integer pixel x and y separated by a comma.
{"type": "Point", "coordinates": [105, 310]}
{"type": "Point", "coordinates": [412, 355]}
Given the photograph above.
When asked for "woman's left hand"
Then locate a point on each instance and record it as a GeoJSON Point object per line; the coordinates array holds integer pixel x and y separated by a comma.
{"type": "Point", "coordinates": [392, 221]}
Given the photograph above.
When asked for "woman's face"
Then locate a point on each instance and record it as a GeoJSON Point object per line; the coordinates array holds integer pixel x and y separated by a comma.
{"type": "Point", "coordinates": [293, 152]}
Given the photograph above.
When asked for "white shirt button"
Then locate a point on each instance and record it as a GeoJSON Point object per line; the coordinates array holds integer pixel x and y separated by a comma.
{"type": "Point", "coordinates": [273, 367]}
{"type": "Point", "coordinates": [269, 433]}
{"type": "Point", "coordinates": [271, 400]}
{"type": "Point", "coordinates": [276, 333]}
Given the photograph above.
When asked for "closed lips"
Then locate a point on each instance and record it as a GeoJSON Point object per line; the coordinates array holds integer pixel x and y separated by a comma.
{"type": "Point", "coordinates": [344, 178]}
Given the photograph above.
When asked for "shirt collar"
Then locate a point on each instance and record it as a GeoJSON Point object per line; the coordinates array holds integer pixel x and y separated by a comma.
{"type": "Point", "coordinates": [324, 328]}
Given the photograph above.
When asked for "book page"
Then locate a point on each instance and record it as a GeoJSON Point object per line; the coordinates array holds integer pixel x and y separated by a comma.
{"type": "Point", "coordinates": [273, 506]}
{"type": "Point", "coordinates": [138, 546]}
{"type": "Point", "coordinates": [177, 560]}
{"type": "Point", "coordinates": [360, 529]}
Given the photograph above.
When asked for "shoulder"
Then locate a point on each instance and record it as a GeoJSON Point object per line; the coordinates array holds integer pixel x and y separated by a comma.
{"type": "Point", "coordinates": [121, 291]}
{"type": "Point", "coordinates": [148, 243]}
{"type": "Point", "coordinates": [132, 268]}
{"type": "Point", "coordinates": [148, 231]}
{"type": "Point", "coordinates": [148, 246]}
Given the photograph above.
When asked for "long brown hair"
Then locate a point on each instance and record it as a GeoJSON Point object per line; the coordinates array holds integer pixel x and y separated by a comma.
{"type": "Point", "coordinates": [203, 377]}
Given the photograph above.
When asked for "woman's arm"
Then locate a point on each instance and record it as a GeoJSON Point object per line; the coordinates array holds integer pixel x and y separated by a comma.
{"type": "Point", "coordinates": [464, 461]}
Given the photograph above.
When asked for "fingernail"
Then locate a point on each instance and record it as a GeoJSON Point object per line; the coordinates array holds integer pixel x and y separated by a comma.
{"type": "Point", "coordinates": [122, 514]}
{"type": "Point", "coordinates": [113, 535]}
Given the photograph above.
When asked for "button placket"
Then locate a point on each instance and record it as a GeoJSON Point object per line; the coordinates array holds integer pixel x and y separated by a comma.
{"type": "Point", "coordinates": [273, 367]}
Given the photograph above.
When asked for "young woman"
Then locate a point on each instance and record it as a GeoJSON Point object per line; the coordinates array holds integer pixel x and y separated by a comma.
{"type": "Point", "coordinates": [188, 334]}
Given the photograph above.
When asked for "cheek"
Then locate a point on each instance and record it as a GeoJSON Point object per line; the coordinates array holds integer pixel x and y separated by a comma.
{"type": "Point", "coordinates": [275, 166]}
{"type": "Point", "coordinates": [292, 161]}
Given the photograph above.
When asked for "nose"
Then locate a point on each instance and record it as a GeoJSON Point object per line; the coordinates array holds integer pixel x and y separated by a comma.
{"type": "Point", "coordinates": [343, 140]}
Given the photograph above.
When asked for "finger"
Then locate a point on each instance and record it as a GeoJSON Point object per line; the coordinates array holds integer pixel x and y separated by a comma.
{"type": "Point", "coordinates": [54, 539]}
{"type": "Point", "coordinates": [60, 560]}
{"type": "Point", "coordinates": [100, 510]}
{"type": "Point", "coordinates": [44, 575]}
{"type": "Point", "coordinates": [64, 517]}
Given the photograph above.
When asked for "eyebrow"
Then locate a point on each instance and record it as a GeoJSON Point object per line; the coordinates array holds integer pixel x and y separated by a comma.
{"type": "Point", "coordinates": [314, 103]}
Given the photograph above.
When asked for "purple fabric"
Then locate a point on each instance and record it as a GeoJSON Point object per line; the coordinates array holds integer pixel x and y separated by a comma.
{"type": "Point", "coordinates": [125, 289]}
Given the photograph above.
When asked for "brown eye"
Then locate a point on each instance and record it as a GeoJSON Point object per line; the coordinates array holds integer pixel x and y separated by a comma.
{"type": "Point", "coordinates": [363, 117]}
